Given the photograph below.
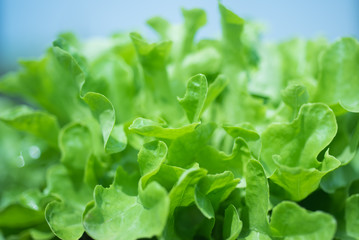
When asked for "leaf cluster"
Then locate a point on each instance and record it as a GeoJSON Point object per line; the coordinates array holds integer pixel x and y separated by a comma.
{"type": "Point", "coordinates": [228, 138]}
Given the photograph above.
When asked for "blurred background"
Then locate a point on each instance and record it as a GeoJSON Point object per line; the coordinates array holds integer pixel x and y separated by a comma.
{"type": "Point", "coordinates": [27, 28]}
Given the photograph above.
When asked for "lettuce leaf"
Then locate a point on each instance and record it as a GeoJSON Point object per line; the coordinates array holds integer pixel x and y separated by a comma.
{"type": "Point", "coordinates": [182, 138]}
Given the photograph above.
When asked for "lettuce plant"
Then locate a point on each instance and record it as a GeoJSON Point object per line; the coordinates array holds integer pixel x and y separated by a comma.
{"type": "Point", "coordinates": [229, 138]}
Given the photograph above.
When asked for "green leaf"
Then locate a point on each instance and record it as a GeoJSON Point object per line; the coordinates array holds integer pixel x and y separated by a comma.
{"type": "Point", "coordinates": [64, 215]}
{"type": "Point", "coordinates": [183, 150]}
{"type": "Point", "coordinates": [352, 216]}
{"type": "Point", "coordinates": [24, 160]}
{"type": "Point", "coordinates": [75, 142]}
{"type": "Point", "coordinates": [207, 61]}
{"type": "Point", "coordinates": [68, 42]}
{"type": "Point", "coordinates": [232, 225]}
{"type": "Point", "coordinates": [111, 76]}
{"type": "Point", "coordinates": [153, 60]}
{"type": "Point", "coordinates": [182, 195]}
{"type": "Point", "coordinates": [217, 187]}
{"type": "Point", "coordinates": [34, 199]}
{"type": "Point", "coordinates": [113, 135]}
{"type": "Point", "coordinates": [293, 60]}
{"type": "Point", "coordinates": [341, 177]}
{"type": "Point", "coordinates": [219, 162]}
{"type": "Point", "coordinates": [167, 176]}
{"type": "Point", "coordinates": [52, 83]}
{"type": "Point", "coordinates": [160, 25]}
{"type": "Point", "coordinates": [253, 235]}
{"type": "Point", "coordinates": [133, 217]}
{"type": "Point", "coordinates": [204, 204]}
{"type": "Point", "coordinates": [64, 220]}
{"type": "Point", "coordinates": [194, 20]}
{"type": "Point", "coordinates": [232, 28]}
{"type": "Point", "coordinates": [295, 95]}
{"type": "Point", "coordinates": [40, 124]}
{"type": "Point", "coordinates": [266, 82]}
{"type": "Point", "coordinates": [294, 154]}
{"type": "Point", "coordinates": [150, 158]}
{"type": "Point", "coordinates": [304, 138]}
{"type": "Point", "coordinates": [97, 171]}
{"type": "Point", "coordinates": [245, 131]}
{"type": "Point", "coordinates": [102, 144]}
{"type": "Point", "coordinates": [41, 235]}
{"type": "Point", "coordinates": [248, 133]}
{"type": "Point", "coordinates": [189, 223]}
{"type": "Point", "coordinates": [246, 108]}
{"type": "Point", "coordinates": [183, 192]}
{"type": "Point", "coordinates": [150, 128]}
{"type": "Point", "coordinates": [257, 197]}
{"type": "Point", "coordinates": [345, 144]}
{"type": "Point", "coordinates": [215, 89]}
{"type": "Point", "coordinates": [344, 147]}
{"type": "Point", "coordinates": [195, 97]}
{"type": "Point", "coordinates": [291, 221]}
{"type": "Point", "coordinates": [19, 216]}
{"type": "Point", "coordinates": [339, 75]}
{"type": "Point", "coordinates": [299, 182]}
{"type": "Point", "coordinates": [212, 190]}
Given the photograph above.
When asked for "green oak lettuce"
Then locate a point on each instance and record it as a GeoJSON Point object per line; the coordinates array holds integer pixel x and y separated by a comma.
{"type": "Point", "coordinates": [182, 138]}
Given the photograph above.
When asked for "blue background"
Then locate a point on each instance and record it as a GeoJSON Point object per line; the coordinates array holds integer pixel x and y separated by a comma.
{"type": "Point", "coordinates": [27, 28]}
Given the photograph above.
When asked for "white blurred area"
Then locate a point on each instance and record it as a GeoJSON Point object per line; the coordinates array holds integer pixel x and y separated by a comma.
{"type": "Point", "coordinates": [27, 28]}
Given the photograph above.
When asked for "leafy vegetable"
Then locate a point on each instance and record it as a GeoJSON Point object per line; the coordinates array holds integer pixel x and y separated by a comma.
{"type": "Point", "coordinates": [195, 97]}
{"type": "Point", "coordinates": [339, 74]}
{"type": "Point", "coordinates": [132, 216]}
{"type": "Point", "coordinates": [257, 197]}
{"type": "Point", "coordinates": [229, 138]}
{"type": "Point", "coordinates": [289, 151]}
{"type": "Point", "coordinates": [232, 225]}
{"type": "Point", "coordinates": [351, 216]}
{"type": "Point", "coordinates": [287, 216]}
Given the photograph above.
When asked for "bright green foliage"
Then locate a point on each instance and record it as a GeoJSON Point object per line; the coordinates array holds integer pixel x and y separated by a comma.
{"type": "Point", "coordinates": [218, 162]}
{"type": "Point", "coordinates": [298, 143]}
{"type": "Point", "coordinates": [352, 215]}
{"type": "Point", "coordinates": [113, 136]}
{"type": "Point", "coordinates": [232, 27]}
{"type": "Point", "coordinates": [232, 225]}
{"type": "Point", "coordinates": [228, 138]}
{"type": "Point", "coordinates": [150, 158]}
{"type": "Point", "coordinates": [257, 197]}
{"type": "Point", "coordinates": [183, 192]}
{"type": "Point", "coordinates": [290, 221]}
{"type": "Point", "coordinates": [147, 127]}
{"type": "Point", "coordinates": [289, 151]}
{"type": "Point", "coordinates": [64, 215]}
{"type": "Point", "coordinates": [75, 142]}
{"type": "Point", "coordinates": [18, 216]}
{"type": "Point", "coordinates": [40, 124]}
{"type": "Point", "coordinates": [183, 150]}
{"type": "Point", "coordinates": [295, 96]}
{"type": "Point", "coordinates": [212, 190]}
{"type": "Point", "coordinates": [339, 75]}
{"type": "Point", "coordinates": [257, 236]}
{"type": "Point", "coordinates": [195, 97]}
{"type": "Point", "coordinates": [133, 217]}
